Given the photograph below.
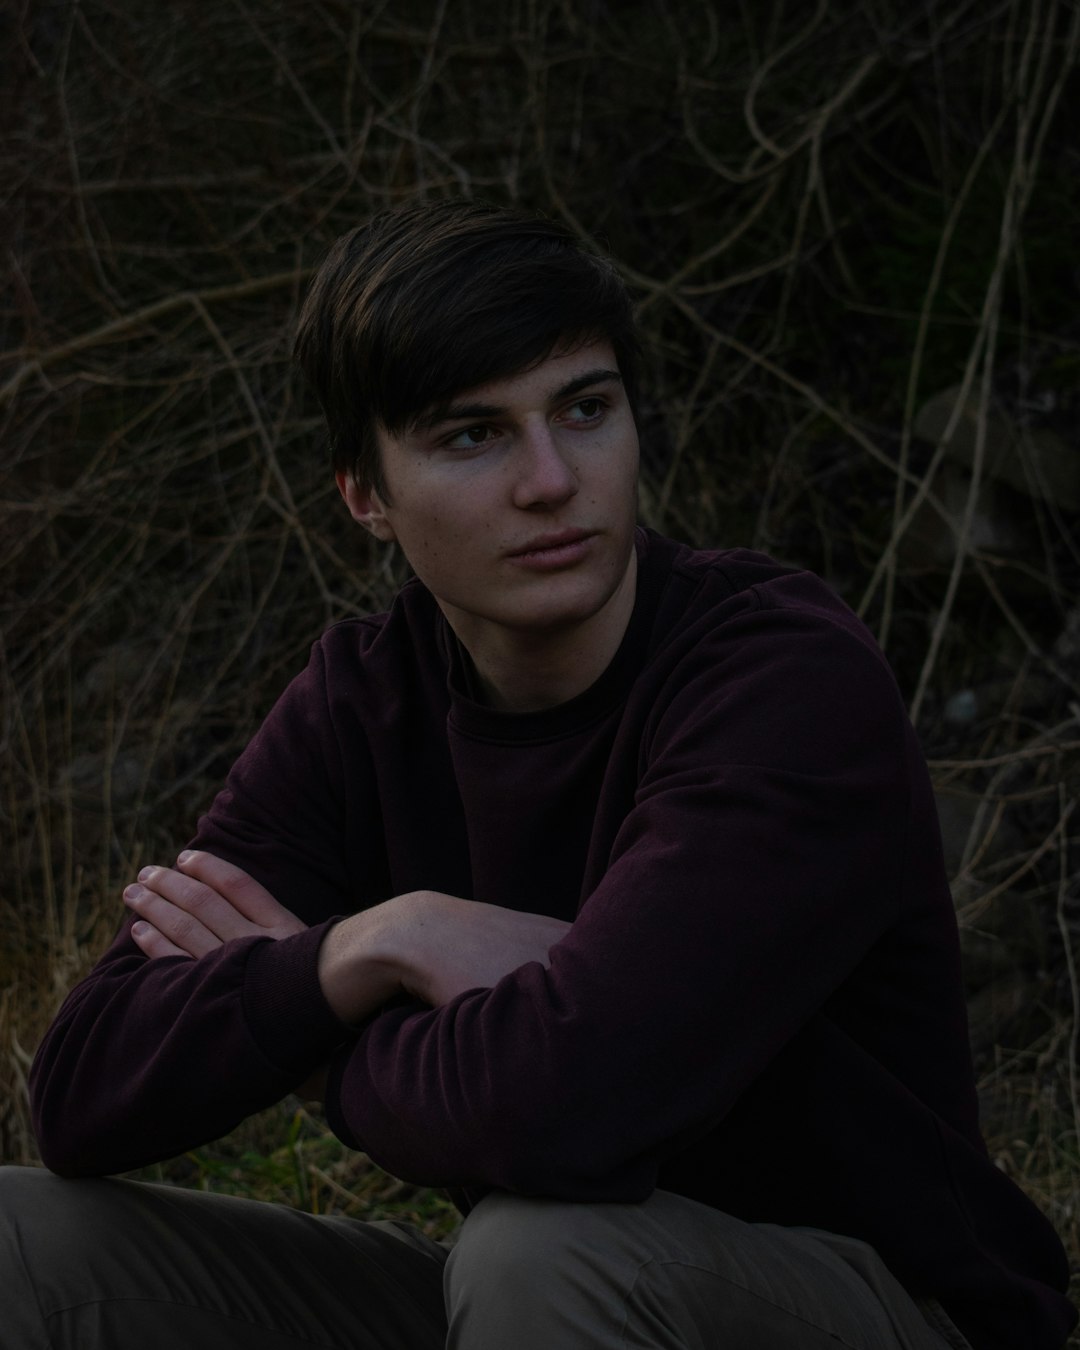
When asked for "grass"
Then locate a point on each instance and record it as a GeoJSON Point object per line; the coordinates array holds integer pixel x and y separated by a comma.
{"type": "Point", "coordinates": [288, 1156]}
{"type": "Point", "coordinates": [828, 214]}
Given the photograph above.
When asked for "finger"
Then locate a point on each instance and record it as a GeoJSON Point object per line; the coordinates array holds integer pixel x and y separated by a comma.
{"type": "Point", "coordinates": [177, 924]}
{"type": "Point", "coordinates": [152, 943]}
{"type": "Point", "coordinates": [213, 910]}
{"type": "Point", "coordinates": [242, 891]}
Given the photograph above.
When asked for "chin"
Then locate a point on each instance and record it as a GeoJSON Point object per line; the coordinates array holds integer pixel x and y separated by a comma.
{"type": "Point", "coordinates": [551, 613]}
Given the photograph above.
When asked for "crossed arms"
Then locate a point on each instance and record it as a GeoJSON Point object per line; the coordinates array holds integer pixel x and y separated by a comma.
{"type": "Point", "coordinates": [734, 880]}
{"type": "Point", "coordinates": [143, 1095]}
{"type": "Point", "coordinates": [425, 944]}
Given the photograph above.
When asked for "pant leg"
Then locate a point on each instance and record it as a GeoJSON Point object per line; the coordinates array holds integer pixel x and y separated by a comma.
{"type": "Point", "coordinates": [668, 1274]}
{"type": "Point", "coordinates": [108, 1264]}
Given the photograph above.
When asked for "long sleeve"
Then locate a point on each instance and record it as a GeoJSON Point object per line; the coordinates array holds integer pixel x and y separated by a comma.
{"type": "Point", "coordinates": [148, 1058]}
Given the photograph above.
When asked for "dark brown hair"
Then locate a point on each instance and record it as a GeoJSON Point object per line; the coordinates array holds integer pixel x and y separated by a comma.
{"type": "Point", "coordinates": [423, 303]}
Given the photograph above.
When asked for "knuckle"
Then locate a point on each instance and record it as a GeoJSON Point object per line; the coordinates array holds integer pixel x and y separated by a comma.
{"type": "Point", "coordinates": [242, 885]}
{"type": "Point", "coordinates": [195, 899]}
{"type": "Point", "coordinates": [183, 927]}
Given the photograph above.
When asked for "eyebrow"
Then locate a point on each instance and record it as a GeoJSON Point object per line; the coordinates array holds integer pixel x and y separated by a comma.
{"type": "Point", "coordinates": [462, 412]}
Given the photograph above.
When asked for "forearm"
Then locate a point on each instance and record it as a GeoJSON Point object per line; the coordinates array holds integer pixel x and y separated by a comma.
{"type": "Point", "coordinates": [149, 1058]}
{"type": "Point", "coordinates": [234, 1007]}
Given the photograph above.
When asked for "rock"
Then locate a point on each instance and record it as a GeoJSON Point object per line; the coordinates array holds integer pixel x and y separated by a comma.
{"type": "Point", "coordinates": [961, 708]}
{"type": "Point", "coordinates": [986, 957]}
{"type": "Point", "coordinates": [929, 543]}
{"type": "Point", "coordinates": [1067, 645]}
{"type": "Point", "coordinates": [86, 775]}
{"type": "Point", "coordinates": [995, 1009]}
{"type": "Point", "coordinates": [117, 668]}
{"type": "Point", "coordinates": [1032, 460]}
{"type": "Point", "coordinates": [962, 818]}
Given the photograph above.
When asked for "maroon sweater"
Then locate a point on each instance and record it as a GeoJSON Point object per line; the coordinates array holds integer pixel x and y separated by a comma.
{"type": "Point", "coordinates": [759, 1002]}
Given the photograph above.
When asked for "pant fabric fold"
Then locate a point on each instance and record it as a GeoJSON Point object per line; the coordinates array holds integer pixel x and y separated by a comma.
{"type": "Point", "coordinates": [108, 1264]}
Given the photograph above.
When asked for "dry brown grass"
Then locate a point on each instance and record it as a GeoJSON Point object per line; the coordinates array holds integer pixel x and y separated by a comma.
{"type": "Point", "coordinates": [828, 211]}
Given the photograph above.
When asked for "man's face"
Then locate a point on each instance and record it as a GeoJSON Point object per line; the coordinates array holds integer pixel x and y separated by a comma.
{"type": "Point", "coordinates": [516, 505]}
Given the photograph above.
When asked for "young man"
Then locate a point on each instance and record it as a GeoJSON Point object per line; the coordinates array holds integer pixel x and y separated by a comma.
{"type": "Point", "coordinates": [599, 881]}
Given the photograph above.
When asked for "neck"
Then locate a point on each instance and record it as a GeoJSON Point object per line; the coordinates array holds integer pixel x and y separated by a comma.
{"type": "Point", "coordinates": [526, 671]}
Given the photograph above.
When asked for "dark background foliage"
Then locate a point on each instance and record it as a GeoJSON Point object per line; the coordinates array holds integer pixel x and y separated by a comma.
{"type": "Point", "coordinates": [850, 233]}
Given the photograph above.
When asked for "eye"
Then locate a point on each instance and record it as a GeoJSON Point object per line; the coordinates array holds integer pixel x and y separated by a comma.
{"type": "Point", "coordinates": [587, 410]}
{"type": "Point", "coordinates": [468, 438]}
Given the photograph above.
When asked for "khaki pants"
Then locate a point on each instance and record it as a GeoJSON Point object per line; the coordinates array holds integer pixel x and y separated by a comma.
{"type": "Point", "coordinates": [104, 1265]}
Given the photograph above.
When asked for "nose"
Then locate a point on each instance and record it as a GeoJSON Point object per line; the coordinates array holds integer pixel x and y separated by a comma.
{"type": "Point", "coordinates": [544, 475]}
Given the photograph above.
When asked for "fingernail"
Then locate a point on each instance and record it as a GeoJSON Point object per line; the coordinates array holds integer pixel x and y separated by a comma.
{"type": "Point", "coordinates": [186, 856]}
{"type": "Point", "coordinates": [140, 928]}
{"type": "Point", "coordinates": [132, 892]}
{"type": "Point", "coordinates": [145, 873]}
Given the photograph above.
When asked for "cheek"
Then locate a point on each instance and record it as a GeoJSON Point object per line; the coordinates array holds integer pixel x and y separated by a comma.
{"type": "Point", "coordinates": [617, 481]}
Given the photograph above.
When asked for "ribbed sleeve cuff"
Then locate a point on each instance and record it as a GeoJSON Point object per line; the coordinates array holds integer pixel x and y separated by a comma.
{"type": "Point", "coordinates": [284, 1004]}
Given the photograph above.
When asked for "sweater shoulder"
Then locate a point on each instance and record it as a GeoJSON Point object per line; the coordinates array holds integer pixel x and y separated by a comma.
{"type": "Point", "coordinates": [377, 645]}
{"type": "Point", "coordinates": [728, 591]}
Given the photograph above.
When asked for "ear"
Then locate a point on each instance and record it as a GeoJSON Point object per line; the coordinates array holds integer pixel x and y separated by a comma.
{"type": "Point", "coordinates": [365, 506]}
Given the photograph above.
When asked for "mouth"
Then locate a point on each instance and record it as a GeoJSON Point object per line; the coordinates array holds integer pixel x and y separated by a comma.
{"type": "Point", "coordinates": [550, 552]}
{"type": "Point", "coordinates": [551, 543]}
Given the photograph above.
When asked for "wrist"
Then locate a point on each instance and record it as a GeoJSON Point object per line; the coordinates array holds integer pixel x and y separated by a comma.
{"type": "Point", "coordinates": [357, 968]}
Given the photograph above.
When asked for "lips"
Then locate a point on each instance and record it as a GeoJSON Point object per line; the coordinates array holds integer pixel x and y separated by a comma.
{"type": "Point", "coordinates": [545, 543]}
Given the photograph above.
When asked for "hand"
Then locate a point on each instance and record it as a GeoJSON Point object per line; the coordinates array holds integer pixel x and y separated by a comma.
{"type": "Point", "coordinates": [449, 945]}
{"type": "Point", "coordinates": [430, 945]}
{"type": "Point", "coordinates": [201, 903]}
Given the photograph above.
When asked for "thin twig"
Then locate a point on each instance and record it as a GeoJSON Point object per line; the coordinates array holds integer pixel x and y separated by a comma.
{"type": "Point", "coordinates": [126, 323]}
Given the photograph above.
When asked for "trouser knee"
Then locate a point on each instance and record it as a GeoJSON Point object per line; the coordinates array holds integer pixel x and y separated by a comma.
{"type": "Point", "coordinates": [511, 1240]}
{"type": "Point", "coordinates": [667, 1273]}
{"type": "Point", "coordinates": [539, 1272]}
